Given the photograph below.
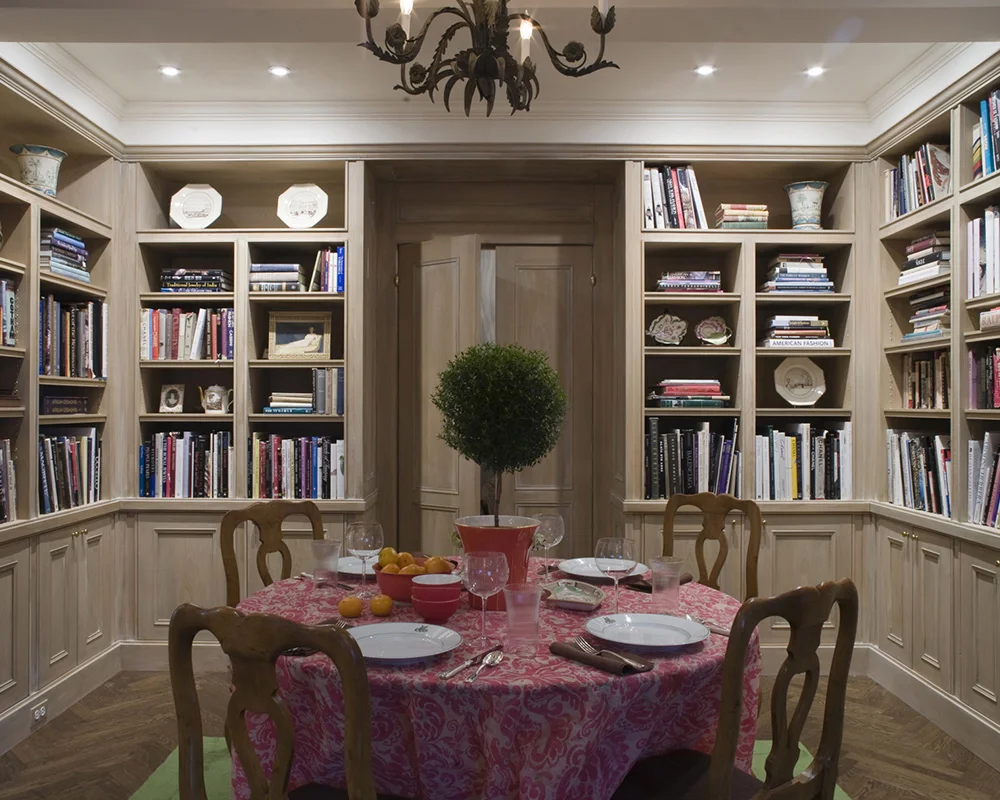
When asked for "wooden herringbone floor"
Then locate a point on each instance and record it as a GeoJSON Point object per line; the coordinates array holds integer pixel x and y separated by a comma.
{"type": "Point", "coordinates": [111, 741]}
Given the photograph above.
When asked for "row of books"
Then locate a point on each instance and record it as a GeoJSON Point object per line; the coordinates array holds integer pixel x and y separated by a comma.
{"type": "Point", "coordinates": [930, 314]}
{"type": "Point", "coordinates": [797, 330]}
{"type": "Point", "coordinates": [326, 397]}
{"type": "Point", "coordinates": [983, 498]}
{"type": "Point", "coordinates": [804, 463]}
{"type": "Point", "coordinates": [917, 179]}
{"type": "Point", "coordinates": [984, 378]}
{"type": "Point", "coordinates": [797, 272]}
{"type": "Point", "coordinates": [8, 483]}
{"type": "Point", "coordinates": [919, 470]}
{"type": "Point", "coordinates": [64, 253]}
{"type": "Point", "coordinates": [984, 253]}
{"type": "Point", "coordinates": [671, 199]}
{"type": "Point", "coordinates": [72, 338]}
{"type": "Point", "coordinates": [690, 281]}
{"type": "Point", "coordinates": [69, 469]}
{"type": "Point", "coordinates": [986, 137]}
{"type": "Point", "coordinates": [927, 380]}
{"type": "Point", "coordinates": [926, 257]}
{"type": "Point", "coordinates": [747, 216]}
{"type": "Point", "coordinates": [64, 404]}
{"type": "Point", "coordinates": [176, 334]}
{"type": "Point", "coordinates": [187, 464]}
{"type": "Point", "coordinates": [688, 393]}
{"type": "Point", "coordinates": [8, 314]}
{"type": "Point", "coordinates": [686, 461]}
{"type": "Point", "coordinates": [277, 277]}
{"type": "Point", "coordinates": [302, 467]}
{"type": "Point", "coordinates": [329, 271]}
{"type": "Point", "coordinates": [182, 279]}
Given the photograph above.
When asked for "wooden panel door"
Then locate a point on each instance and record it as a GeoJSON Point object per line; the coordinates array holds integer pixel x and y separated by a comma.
{"type": "Point", "coordinates": [96, 580]}
{"type": "Point", "coordinates": [297, 534]}
{"type": "Point", "coordinates": [979, 626]}
{"type": "Point", "coordinates": [544, 299]}
{"type": "Point", "coordinates": [438, 318]}
{"type": "Point", "coordinates": [933, 613]}
{"type": "Point", "coordinates": [686, 530]}
{"type": "Point", "coordinates": [58, 599]}
{"type": "Point", "coordinates": [895, 591]}
{"type": "Point", "coordinates": [15, 623]}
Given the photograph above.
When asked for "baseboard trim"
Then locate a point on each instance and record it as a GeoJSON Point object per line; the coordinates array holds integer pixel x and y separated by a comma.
{"type": "Point", "coordinates": [16, 722]}
{"type": "Point", "coordinates": [963, 724]}
{"type": "Point", "coordinates": [153, 657]}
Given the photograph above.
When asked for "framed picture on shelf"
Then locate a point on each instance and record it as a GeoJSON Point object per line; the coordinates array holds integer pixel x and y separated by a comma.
{"type": "Point", "coordinates": [172, 398]}
{"type": "Point", "coordinates": [299, 335]}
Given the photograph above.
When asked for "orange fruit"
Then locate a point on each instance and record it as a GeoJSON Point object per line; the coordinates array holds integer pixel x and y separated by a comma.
{"type": "Point", "coordinates": [405, 560]}
{"type": "Point", "coordinates": [390, 569]}
{"type": "Point", "coordinates": [435, 565]}
{"type": "Point", "coordinates": [381, 605]}
{"type": "Point", "coordinates": [351, 607]}
{"type": "Point", "coordinates": [387, 555]}
{"type": "Point", "coordinates": [413, 569]}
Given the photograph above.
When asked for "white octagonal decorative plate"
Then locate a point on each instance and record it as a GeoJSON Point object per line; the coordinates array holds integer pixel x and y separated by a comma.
{"type": "Point", "coordinates": [195, 206]}
{"type": "Point", "coordinates": [302, 205]}
{"type": "Point", "coordinates": [800, 381]}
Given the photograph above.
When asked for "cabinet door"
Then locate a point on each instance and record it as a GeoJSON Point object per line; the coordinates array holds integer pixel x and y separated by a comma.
{"type": "Point", "coordinates": [802, 550]}
{"type": "Point", "coordinates": [297, 533]}
{"type": "Point", "coordinates": [686, 530]}
{"type": "Point", "coordinates": [979, 624]}
{"type": "Point", "coordinates": [58, 598]}
{"type": "Point", "coordinates": [96, 587]}
{"type": "Point", "coordinates": [895, 591]}
{"type": "Point", "coordinates": [15, 623]}
{"type": "Point", "coordinates": [933, 619]}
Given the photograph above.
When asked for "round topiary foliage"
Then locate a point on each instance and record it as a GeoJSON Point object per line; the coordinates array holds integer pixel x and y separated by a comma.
{"type": "Point", "coordinates": [502, 407]}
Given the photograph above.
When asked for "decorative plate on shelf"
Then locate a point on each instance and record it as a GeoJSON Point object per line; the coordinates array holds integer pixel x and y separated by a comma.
{"type": "Point", "coordinates": [800, 381]}
{"type": "Point", "coordinates": [667, 329]}
{"type": "Point", "coordinates": [713, 331]}
{"type": "Point", "coordinates": [302, 205]}
{"type": "Point", "coordinates": [196, 206]}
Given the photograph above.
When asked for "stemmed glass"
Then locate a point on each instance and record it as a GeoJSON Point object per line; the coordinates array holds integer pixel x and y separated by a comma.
{"type": "Point", "coordinates": [364, 540]}
{"type": "Point", "coordinates": [484, 574]}
{"type": "Point", "coordinates": [615, 557]}
{"type": "Point", "coordinates": [550, 532]}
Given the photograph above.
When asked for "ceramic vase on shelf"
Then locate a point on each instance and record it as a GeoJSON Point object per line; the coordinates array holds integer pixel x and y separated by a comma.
{"type": "Point", "coordinates": [513, 538]}
{"type": "Point", "coordinates": [39, 166]}
{"type": "Point", "coordinates": [806, 198]}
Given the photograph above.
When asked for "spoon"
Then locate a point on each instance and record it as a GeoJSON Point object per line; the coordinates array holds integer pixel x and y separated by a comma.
{"type": "Point", "coordinates": [489, 660]}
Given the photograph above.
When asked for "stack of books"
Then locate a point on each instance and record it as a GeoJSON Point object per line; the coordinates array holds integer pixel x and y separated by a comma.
{"type": "Point", "coordinates": [797, 330]}
{"type": "Point", "coordinates": [64, 404]}
{"type": "Point", "coordinates": [309, 467]}
{"type": "Point", "coordinates": [930, 314]}
{"type": "Point", "coordinates": [989, 320]}
{"type": "Point", "coordinates": [688, 393]}
{"type": "Point", "coordinates": [8, 314]}
{"type": "Point", "coordinates": [671, 199]}
{"type": "Point", "coordinates": [927, 257]}
{"type": "Point", "coordinates": [741, 215]}
{"type": "Point", "coordinates": [686, 461]}
{"type": "Point", "coordinates": [289, 403]}
{"type": "Point", "coordinates": [983, 499]}
{"type": "Point", "coordinates": [804, 463]}
{"type": "Point", "coordinates": [984, 378]}
{"type": "Point", "coordinates": [797, 272]}
{"type": "Point", "coordinates": [690, 281]}
{"type": "Point", "coordinates": [64, 253]}
{"type": "Point", "coordinates": [180, 280]}
{"type": "Point", "coordinates": [927, 380]}
{"type": "Point", "coordinates": [72, 338]}
{"type": "Point", "coordinates": [917, 180]}
{"type": "Point", "coordinates": [986, 137]}
{"type": "Point", "coordinates": [983, 260]}
{"type": "Point", "coordinates": [8, 483]}
{"type": "Point", "coordinates": [175, 334]}
{"type": "Point", "coordinates": [186, 464]}
{"type": "Point", "coordinates": [919, 471]}
{"type": "Point", "coordinates": [69, 469]}
{"type": "Point", "coordinates": [329, 271]}
{"type": "Point", "coordinates": [280, 277]}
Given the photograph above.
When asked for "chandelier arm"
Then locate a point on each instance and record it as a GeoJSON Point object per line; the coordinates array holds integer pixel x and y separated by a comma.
{"type": "Point", "coordinates": [559, 61]}
{"type": "Point", "coordinates": [411, 49]}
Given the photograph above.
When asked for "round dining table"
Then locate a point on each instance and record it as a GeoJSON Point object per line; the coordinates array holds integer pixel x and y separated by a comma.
{"type": "Point", "coordinates": [537, 727]}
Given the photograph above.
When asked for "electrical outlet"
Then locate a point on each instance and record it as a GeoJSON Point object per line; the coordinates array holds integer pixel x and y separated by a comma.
{"type": "Point", "coordinates": [39, 714]}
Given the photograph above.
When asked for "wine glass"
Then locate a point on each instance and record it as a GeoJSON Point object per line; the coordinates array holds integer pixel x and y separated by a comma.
{"type": "Point", "coordinates": [550, 532]}
{"type": "Point", "coordinates": [484, 574]}
{"type": "Point", "coordinates": [364, 540]}
{"type": "Point", "coordinates": [615, 557]}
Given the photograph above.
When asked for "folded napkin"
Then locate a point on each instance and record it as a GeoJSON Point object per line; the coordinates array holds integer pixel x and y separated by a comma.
{"type": "Point", "coordinates": [641, 585]}
{"type": "Point", "coordinates": [606, 663]}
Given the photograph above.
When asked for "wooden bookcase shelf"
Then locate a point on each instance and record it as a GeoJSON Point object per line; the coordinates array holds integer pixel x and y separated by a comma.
{"type": "Point", "coordinates": [295, 419]}
{"type": "Point", "coordinates": [803, 412]}
{"type": "Point", "coordinates": [60, 380]}
{"type": "Point", "coordinates": [12, 412]}
{"type": "Point", "coordinates": [293, 363]}
{"type": "Point", "coordinates": [984, 302]}
{"type": "Point", "coordinates": [692, 412]}
{"type": "Point", "coordinates": [936, 343]}
{"type": "Point", "coordinates": [72, 419]}
{"type": "Point", "coordinates": [198, 299]}
{"type": "Point", "coordinates": [917, 413]}
{"type": "Point", "coordinates": [186, 364]}
{"type": "Point", "coordinates": [982, 336]}
{"type": "Point", "coordinates": [10, 267]}
{"type": "Point", "coordinates": [801, 299]}
{"type": "Point", "coordinates": [187, 418]}
{"type": "Point", "coordinates": [12, 352]}
{"type": "Point", "coordinates": [295, 298]}
{"type": "Point", "coordinates": [692, 298]}
{"type": "Point", "coordinates": [917, 287]}
{"type": "Point", "coordinates": [812, 352]}
{"type": "Point", "coordinates": [51, 283]}
{"type": "Point", "coordinates": [713, 352]}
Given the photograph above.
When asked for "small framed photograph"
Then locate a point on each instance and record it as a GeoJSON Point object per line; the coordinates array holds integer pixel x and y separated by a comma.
{"type": "Point", "coordinates": [172, 398]}
{"type": "Point", "coordinates": [304, 335]}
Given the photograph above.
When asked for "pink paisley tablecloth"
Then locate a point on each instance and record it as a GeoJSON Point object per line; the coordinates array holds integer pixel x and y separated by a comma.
{"type": "Point", "coordinates": [541, 728]}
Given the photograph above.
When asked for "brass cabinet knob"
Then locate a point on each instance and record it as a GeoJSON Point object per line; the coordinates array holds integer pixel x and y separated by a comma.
{"type": "Point", "coordinates": [998, 562]}
{"type": "Point", "coordinates": [915, 537]}
{"type": "Point", "coordinates": [905, 534]}
{"type": "Point", "coordinates": [74, 534]}
{"type": "Point", "coordinates": [83, 532]}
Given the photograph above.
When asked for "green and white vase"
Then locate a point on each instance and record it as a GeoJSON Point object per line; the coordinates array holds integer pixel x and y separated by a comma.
{"type": "Point", "coordinates": [806, 198]}
{"type": "Point", "coordinates": [39, 166]}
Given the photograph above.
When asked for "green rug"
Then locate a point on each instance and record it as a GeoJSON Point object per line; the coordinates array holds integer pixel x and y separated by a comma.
{"type": "Point", "coordinates": [162, 784]}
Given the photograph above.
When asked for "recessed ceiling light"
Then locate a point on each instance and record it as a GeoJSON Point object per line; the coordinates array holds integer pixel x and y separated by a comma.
{"type": "Point", "coordinates": [705, 69]}
{"type": "Point", "coordinates": [170, 71]}
{"type": "Point", "coordinates": [815, 72]}
{"type": "Point", "coordinates": [279, 71]}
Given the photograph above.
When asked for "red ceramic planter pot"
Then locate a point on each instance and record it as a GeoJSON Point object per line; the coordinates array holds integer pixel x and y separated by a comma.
{"type": "Point", "coordinates": [513, 538]}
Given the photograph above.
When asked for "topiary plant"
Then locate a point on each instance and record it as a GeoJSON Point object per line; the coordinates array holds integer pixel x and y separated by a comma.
{"type": "Point", "coordinates": [503, 409]}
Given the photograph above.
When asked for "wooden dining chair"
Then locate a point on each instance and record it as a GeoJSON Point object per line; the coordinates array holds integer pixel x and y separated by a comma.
{"type": "Point", "coordinates": [253, 643]}
{"type": "Point", "coordinates": [714, 510]}
{"type": "Point", "coordinates": [268, 517]}
{"type": "Point", "coordinates": [690, 775]}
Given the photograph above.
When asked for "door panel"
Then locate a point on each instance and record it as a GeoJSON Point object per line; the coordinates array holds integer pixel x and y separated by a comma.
{"type": "Point", "coordinates": [298, 536]}
{"type": "Point", "coordinates": [96, 578]}
{"type": "Point", "coordinates": [686, 530]}
{"type": "Point", "coordinates": [933, 619]}
{"type": "Point", "coordinates": [895, 588]}
{"type": "Point", "coordinates": [57, 605]}
{"type": "Point", "coordinates": [979, 661]}
{"type": "Point", "coordinates": [543, 302]}
{"type": "Point", "coordinates": [15, 630]}
{"type": "Point", "coordinates": [438, 318]}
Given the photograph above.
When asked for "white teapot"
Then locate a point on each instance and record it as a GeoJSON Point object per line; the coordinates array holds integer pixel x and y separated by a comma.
{"type": "Point", "coordinates": [216, 399]}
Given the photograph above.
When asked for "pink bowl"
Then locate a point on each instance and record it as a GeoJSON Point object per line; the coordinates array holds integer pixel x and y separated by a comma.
{"type": "Point", "coordinates": [436, 587]}
{"type": "Point", "coordinates": [395, 585]}
{"type": "Point", "coordinates": [435, 611]}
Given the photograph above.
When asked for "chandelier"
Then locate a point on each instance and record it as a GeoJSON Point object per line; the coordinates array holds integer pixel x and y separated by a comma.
{"type": "Point", "coordinates": [487, 66]}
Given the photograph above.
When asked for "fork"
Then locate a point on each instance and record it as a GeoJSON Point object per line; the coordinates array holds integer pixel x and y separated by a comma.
{"type": "Point", "coordinates": [588, 648]}
{"type": "Point", "coordinates": [308, 651]}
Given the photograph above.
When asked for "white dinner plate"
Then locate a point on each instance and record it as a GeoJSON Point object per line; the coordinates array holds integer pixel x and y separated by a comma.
{"type": "Point", "coordinates": [351, 565]}
{"type": "Point", "coordinates": [586, 568]}
{"type": "Point", "coordinates": [403, 642]}
{"type": "Point", "coordinates": [650, 631]}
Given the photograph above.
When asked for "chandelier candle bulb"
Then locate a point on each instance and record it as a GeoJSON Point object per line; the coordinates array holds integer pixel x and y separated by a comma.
{"type": "Point", "coordinates": [405, 8]}
{"type": "Point", "coordinates": [526, 30]}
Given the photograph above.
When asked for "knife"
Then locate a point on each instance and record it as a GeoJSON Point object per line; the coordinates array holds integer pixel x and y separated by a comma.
{"type": "Point", "coordinates": [451, 673]}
